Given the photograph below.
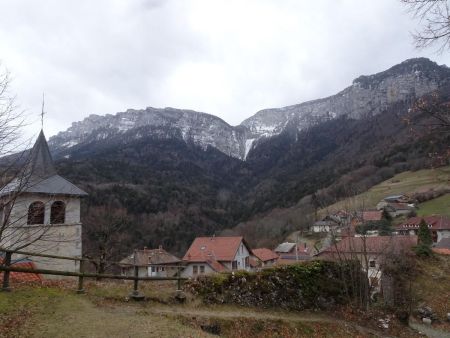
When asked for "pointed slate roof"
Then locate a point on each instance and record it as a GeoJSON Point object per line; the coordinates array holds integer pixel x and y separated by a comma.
{"type": "Point", "coordinates": [40, 176]}
{"type": "Point", "coordinates": [41, 162]}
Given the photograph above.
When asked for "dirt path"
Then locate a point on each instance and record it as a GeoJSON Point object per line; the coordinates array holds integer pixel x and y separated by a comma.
{"type": "Point", "coordinates": [307, 317]}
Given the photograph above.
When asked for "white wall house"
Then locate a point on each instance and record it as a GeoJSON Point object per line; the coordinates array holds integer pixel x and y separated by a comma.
{"type": "Point", "coordinates": [40, 212]}
{"type": "Point", "coordinates": [151, 263]}
{"type": "Point", "coordinates": [216, 254]}
{"type": "Point", "coordinates": [439, 227]}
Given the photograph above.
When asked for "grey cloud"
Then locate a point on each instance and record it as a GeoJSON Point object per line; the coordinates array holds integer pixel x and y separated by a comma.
{"type": "Point", "coordinates": [228, 58]}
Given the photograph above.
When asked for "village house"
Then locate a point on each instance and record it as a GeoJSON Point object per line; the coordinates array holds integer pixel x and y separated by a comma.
{"type": "Point", "coordinates": [324, 225]}
{"type": "Point", "coordinates": [151, 263]}
{"type": "Point", "coordinates": [397, 205]}
{"type": "Point", "coordinates": [398, 199]}
{"type": "Point", "coordinates": [332, 222]}
{"type": "Point", "coordinates": [370, 251]}
{"type": "Point", "coordinates": [438, 225]}
{"type": "Point", "coordinates": [208, 255]}
{"type": "Point", "coordinates": [40, 212]}
{"type": "Point", "coordinates": [292, 252]}
{"type": "Point", "coordinates": [263, 258]}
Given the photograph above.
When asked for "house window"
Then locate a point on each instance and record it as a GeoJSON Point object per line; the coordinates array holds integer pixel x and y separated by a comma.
{"type": "Point", "coordinates": [36, 213]}
{"type": "Point", "coordinates": [372, 264]}
{"type": "Point", "coordinates": [247, 262]}
{"type": "Point", "coordinates": [234, 265]}
{"type": "Point", "coordinates": [202, 269]}
{"type": "Point", "coordinates": [58, 212]}
{"type": "Point", "coordinates": [195, 269]}
{"type": "Point", "coordinates": [153, 269]}
{"type": "Point", "coordinates": [162, 268]}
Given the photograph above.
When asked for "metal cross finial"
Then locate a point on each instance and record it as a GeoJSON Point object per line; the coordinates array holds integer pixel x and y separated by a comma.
{"type": "Point", "coordinates": [42, 112]}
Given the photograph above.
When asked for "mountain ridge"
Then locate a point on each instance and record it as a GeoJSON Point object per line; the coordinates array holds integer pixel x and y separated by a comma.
{"type": "Point", "coordinates": [368, 95]}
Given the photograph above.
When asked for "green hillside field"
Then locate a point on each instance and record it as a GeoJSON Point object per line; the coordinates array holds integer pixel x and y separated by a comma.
{"type": "Point", "coordinates": [407, 182]}
{"type": "Point", "coordinates": [438, 206]}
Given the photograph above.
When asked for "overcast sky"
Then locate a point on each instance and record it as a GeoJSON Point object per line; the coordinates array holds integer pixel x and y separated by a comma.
{"type": "Point", "coordinates": [227, 58]}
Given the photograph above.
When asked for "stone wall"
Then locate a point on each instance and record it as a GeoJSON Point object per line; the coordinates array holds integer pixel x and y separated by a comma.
{"type": "Point", "coordinates": [311, 285]}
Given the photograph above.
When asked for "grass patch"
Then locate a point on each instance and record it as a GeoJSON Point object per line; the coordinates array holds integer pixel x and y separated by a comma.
{"type": "Point", "coordinates": [432, 285]}
{"type": "Point", "coordinates": [56, 311]}
{"type": "Point", "coordinates": [270, 328]}
{"type": "Point", "coordinates": [404, 183]}
{"type": "Point", "coordinates": [438, 206]}
{"type": "Point", "coordinates": [158, 291]}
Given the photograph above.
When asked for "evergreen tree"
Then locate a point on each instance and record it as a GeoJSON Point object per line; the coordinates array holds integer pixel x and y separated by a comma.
{"type": "Point", "coordinates": [424, 234]}
{"type": "Point", "coordinates": [424, 237]}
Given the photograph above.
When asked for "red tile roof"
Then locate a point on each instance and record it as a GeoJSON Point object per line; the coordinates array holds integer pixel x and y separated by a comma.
{"type": "Point", "coordinates": [216, 266]}
{"type": "Point", "coordinates": [147, 257]}
{"type": "Point", "coordinates": [375, 244]}
{"type": "Point", "coordinates": [373, 215]}
{"type": "Point", "coordinates": [20, 277]}
{"type": "Point", "coordinates": [433, 222]}
{"type": "Point", "coordinates": [214, 248]}
{"type": "Point", "coordinates": [441, 251]}
{"type": "Point", "coordinates": [264, 254]}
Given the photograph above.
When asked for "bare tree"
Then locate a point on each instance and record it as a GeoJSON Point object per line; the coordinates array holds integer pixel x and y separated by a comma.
{"type": "Point", "coordinates": [12, 164]}
{"type": "Point", "coordinates": [39, 210]}
{"type": "Point", "coordinates": [434, 16]}
{"type": "Point", "coordinates": [103, 234]}
{"type": "Point", "coordinates": [437, 108]}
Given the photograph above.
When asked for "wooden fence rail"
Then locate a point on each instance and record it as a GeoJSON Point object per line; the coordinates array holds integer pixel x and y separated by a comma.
{"type": "Point", "coordinates": [7, 267]}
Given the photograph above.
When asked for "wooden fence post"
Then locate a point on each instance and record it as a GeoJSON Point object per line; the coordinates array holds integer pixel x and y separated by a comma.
{"type": "Point", "coordinates": [7, 263]}
{"type": "Point", "coordinates": [136, 295]}
{"type": "Point", "coordinates": [179, 294]}
{"type": "Point", "coordinates": [179, 280]}
{"type": "Point", "coordinates": [81, 278]}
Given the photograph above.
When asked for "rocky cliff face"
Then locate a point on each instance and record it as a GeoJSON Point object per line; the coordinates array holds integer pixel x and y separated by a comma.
{"type": "Point", "coordinates": [199, 128]}
{"type": "Point", "coordinates": [367, 96]}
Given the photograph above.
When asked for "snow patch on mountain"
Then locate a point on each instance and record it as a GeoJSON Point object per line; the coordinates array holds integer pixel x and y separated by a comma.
{"type": "Point", "coordinates": [368, 95]}
{"type": "Point", "coordinates": [248, 146]}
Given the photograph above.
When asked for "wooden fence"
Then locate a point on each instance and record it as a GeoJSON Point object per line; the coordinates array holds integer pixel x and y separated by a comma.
{"type": "Point", "coordinates": [7, 267]}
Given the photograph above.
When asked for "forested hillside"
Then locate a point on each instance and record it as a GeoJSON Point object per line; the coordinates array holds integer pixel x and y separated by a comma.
{"type": "Point", "coordinates": [172, 191]}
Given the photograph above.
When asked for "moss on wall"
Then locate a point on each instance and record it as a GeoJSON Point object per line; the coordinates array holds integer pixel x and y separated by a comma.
{"type": "Point", "coordinates": [316, 284]}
